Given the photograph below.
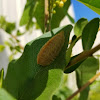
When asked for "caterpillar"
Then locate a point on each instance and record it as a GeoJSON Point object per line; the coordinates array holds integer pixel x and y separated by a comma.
{"type": "Point", "coordinates": [51, 49]}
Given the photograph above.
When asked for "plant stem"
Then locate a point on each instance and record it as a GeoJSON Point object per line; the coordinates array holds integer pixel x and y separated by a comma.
{"type": "Point", "coordinates": [49, 16]}
{"type": "Point", "coordinates": [46, 15]}
{"type": "Point", "coordinates": [84, 86]}
{"type": "Point", "coordinates": [82, 56]}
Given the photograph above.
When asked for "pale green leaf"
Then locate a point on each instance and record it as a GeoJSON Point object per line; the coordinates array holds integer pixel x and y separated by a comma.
{"type": "Point", "coordinates": [4, 95]}
{"type": "Point", "coordinates": [2, 47]}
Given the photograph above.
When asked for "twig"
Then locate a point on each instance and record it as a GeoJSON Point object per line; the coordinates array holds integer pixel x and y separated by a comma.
{"type": "Point", "coordinates": [82, 56]}
{"type": "Point", "coordinates": [49, 15]}
{"type": "Point", "coordinates": [18, 43]}
{"type": "Point", "coordinates": [84, 86]}
{"type": "Point", "coordinates": [46, 14]}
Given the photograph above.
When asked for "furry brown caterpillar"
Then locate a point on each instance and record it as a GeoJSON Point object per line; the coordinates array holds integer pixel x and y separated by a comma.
{"type": "Point", "coordinates": [51, 49]}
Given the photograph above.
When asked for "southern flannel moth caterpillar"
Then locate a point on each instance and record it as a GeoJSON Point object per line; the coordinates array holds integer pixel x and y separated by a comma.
{"type": "Point", "coordinates": [51, 49]}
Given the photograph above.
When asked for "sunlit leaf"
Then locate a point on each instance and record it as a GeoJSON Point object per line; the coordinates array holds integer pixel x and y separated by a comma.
{"type": "Point", "coordinates": [79, 25]}
{"type": "Point", "coordinates": [92, 4]}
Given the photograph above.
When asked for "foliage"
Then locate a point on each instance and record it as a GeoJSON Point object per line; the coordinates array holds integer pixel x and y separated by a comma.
{"type": "Point", "coordinates": [60, 14]}
{"type": "Point", "coordinates": [25, 79]}
{"type": "Point", "coordinates": [13, 41]}
{"type": "Point", "coordinates": [79, 26]}
{"type": "Point", "coordinates": [90, 30]}
{"type": "Point", "coordinates": [2, 47]}
{"type": "Point", "coordinates": [63, 91]}
{"type": "Point", "coordinates": [33, 9]}
{"type": "Point", "coordinates": [83, 76]}
{"type": "Point", "coordinates": [7, 26]}
{"type": "Point", "coordinates": [94, 5]}
{"type": "Point", "coordinates": [95, 91]}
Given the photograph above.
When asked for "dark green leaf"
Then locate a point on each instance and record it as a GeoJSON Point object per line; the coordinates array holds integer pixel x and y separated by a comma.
{"type": "Point", "coordinates": [79, 25]}
{"type": "Point", "coordinates": [89, 33]}
{"type": "Point", "coordinates": [40, 14]}
{"type": "Point", "coordinates": [68, 55]}
{"type": "Point", "coordinates": [92, 4]}
{"type": "Point", "coordinates": [86, 70]}
{"type": "Point", "coordinates": [18, 49]}
{"type": "Point", "coordinates": [55, 98]}
{"type": "Point", "coordinates": [73, 68]}
{"type": "Point", "coordinates": [84, 94]}
{"type": "Point", "coordinates": [60, 14]}
{"type": "Point", "coordinates": [10, 27]}
{"type": "Point", "coordinates": [70, 18]}
{"type": "Point", "coordinates": [28, 80]}
{"type": "Point", "coordinates": [69, 51]}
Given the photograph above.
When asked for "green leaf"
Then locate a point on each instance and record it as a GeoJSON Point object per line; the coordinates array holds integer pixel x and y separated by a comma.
{"type": "Point", "coordinates": [17, 48]}
{"type": "Point", "coordinates": [39, 14]}
{"type": "Point", "coordinates": [68, 54]}
{"type": "Point", "coordinates": [95, 90]}
{"type": "Point", "coordinates": [74, 67]}
{"type": "Point", "coordinates": [86, 70]}
{"type": "Point", "coordinates": [30, 81]}
{"type": "Point", "coordinates": [60, 14]}
{"type": "Point", "coordinates": [28, 13]}
{"type": "Point", "coordinates": [10, 27]}
{"type": "Point", "coordinates": [89, 33]}
{"type": "Point", "coordinates": [79, 25]}
{"type": "Point", "coordinates": [69, 51]}
{"type": "Point", "coordinates": [2, 47]}
{"type": "Point", "coordinates": [92, 4]}
{"type": "Point", "coordinates": [1, 77]}
{"type": "Point", "coordinates": [4, 95]}
{"type": "Point", "coordinates": [7, 26]}
{"type": "Point", "coordinates": [63, 92]}
{"type": "Point", "coordinates": [70, 18]}
{"type": "Point", "coordinates": [8, 43]}
{"type": "Point", "coordinates": [18, 33]}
